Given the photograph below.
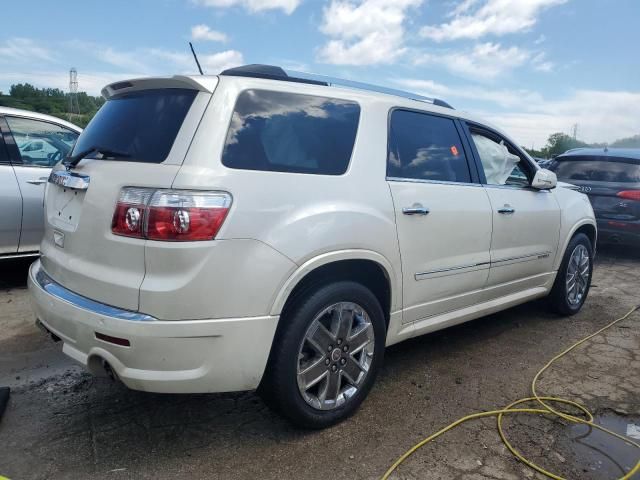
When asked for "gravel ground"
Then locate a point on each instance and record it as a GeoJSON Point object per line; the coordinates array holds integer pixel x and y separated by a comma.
{"type": "Point", "coordinates": [63, 423]}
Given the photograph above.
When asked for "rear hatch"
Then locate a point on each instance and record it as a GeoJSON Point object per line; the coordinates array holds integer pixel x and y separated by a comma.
{"type": "Point", "coordinates": [611, 183]}
{"type": "Point", "coordinates": [140, 136]}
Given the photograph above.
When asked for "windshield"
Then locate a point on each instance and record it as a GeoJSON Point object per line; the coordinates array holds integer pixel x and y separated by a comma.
{"type": "Point", "coordinates": [142, 125]}
{"type": "Point", "coordinates": [596, 169]}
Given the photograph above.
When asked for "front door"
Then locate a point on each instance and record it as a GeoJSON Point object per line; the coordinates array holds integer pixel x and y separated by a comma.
{"type": "Point", "coordinates": [36, 145]}
{"type": "Point", "coordinates": [11, 202]}
{"type": "Point", "coordinates": [443, 216]}
{"type": "Point", "coordinates": [526, 222]}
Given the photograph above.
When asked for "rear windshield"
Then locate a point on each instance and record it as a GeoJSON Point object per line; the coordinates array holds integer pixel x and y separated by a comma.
{"type": "Point", "coordinates": [596, 169]}
{"type": "Point", "coordinates": [142, 125]}
{"type": "Point", "coordinates": [287, 132]}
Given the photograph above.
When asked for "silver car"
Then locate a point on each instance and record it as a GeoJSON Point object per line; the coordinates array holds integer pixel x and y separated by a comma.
{"type": "Point", "coordinates": [30, 144]}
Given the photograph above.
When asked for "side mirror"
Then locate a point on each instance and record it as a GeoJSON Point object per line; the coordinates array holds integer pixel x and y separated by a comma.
{"type": "Point", "coordinates": [544, 180]}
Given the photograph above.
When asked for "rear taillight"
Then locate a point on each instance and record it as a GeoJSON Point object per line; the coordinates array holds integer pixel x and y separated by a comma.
{"type": "Point", "coordinates": [170, 215]}
{"type": "Point", "coordinates": [128, 219]}
{"type": "Point", "coordinates": [629, 194]}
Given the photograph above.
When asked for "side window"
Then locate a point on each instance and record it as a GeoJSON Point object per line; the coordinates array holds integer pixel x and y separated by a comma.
{"type": "Point", "coordinates": [502, 164]}
{"type": "Point", "coordinates": [425, 147]}
{"type": "Point", "coordinates": [41, 144]}
{"type": "Point", "coordinates": [285, 132]}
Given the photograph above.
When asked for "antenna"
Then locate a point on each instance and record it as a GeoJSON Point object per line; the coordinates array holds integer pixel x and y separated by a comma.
{"type": "Point", "coordinates": [195, 57]}
{"type": "Point", "coordinates": [74, 107]}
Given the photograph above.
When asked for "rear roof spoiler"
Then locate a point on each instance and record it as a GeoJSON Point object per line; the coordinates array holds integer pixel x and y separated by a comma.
{"type": "Point", "coordinates": [203, 84]}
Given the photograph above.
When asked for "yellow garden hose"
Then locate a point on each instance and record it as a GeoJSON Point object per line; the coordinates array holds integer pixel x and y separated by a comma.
{"type": "Point", "coordinates": [547, 409]}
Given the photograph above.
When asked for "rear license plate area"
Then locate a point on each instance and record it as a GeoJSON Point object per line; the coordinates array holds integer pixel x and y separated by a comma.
{"type": "Point", "coordinates": [64, 206]}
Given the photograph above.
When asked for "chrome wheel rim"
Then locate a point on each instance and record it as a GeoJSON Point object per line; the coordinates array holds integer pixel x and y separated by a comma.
{"type": "Point", "coordinates": [578, 271]}
{"type": "Point", "coordinates": [335, 355]}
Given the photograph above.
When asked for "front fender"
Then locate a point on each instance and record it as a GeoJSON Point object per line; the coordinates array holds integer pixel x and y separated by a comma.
{"type": "Point", "coordinates": [576, 212]}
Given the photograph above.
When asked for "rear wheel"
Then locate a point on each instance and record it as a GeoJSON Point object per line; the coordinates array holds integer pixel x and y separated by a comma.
{"type": "Point", "coordinates": [573, 280]}
{"type": "Point", "coordinates": [327, 355]}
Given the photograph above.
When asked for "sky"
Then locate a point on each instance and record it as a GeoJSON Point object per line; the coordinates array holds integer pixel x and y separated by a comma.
{"type": "Point", "coordinates": [532, 67]}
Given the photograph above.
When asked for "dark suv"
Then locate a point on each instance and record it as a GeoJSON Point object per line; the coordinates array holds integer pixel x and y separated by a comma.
{"type": "Point", "coordinates": [611, 179]}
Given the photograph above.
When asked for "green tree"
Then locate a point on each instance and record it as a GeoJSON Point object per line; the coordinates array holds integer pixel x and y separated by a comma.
{"type": "Point", "coordinates": [561, 142]}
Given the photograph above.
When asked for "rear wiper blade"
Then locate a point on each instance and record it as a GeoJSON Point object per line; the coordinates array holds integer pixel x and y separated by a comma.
{"type": "Point", "coordinates": [73, 160]}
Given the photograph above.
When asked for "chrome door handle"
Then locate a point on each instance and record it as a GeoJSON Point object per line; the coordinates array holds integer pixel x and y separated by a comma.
{"type": "Point", "coordinates": [40, 181]}
{"type": "Point", "coordinates": [507, 210]}
{"type": "Point", "coordinates": [415, 209]}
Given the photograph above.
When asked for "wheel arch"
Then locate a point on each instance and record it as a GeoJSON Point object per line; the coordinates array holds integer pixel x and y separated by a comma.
{"type": "Point", "coordinates": [364, 266]}
{"type": "Point", "coordinates": [586, 226]}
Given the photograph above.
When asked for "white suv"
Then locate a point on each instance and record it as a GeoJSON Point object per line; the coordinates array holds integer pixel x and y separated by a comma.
{"type": "Point", "coordinates": [260, 229]}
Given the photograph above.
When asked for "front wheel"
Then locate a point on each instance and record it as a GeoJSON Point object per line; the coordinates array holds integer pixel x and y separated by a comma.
{"type": "Point", "coordinates": [326, 356]}
{"type": "Point", "coordinates": [574, 276]}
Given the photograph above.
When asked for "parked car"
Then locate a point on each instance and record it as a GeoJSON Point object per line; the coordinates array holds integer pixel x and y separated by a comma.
{"type": "Point", "coordinates": [259, 229]}
{"type": "Point", "coordinates": [543, 162]}
{"type": "Point", "coordinates": [30, 144]}
{"type": "Point", "coordinates": [610, 177]}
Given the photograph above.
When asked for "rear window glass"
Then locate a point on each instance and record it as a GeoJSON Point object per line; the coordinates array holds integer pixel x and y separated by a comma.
{"type": "Point", "coordinates": [425, 147]}
{"type": "Point", "coordinates": [285, 132]}
{"type": "Point", "coordinates": [598, 170]}
{"type": "Point", "coordinates": [142, 125]}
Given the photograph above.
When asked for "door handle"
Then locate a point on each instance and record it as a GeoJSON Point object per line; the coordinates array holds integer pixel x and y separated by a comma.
{"type": "Point", "coordinates": [40, 181]}
{"type": "Point", "coordinates": [415, 209]}
{"type": "Point", "coordinates": [507, 210]}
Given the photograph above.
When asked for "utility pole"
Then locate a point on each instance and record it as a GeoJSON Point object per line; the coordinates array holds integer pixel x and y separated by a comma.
{"type": "Point", "coordinates": [74, 107]}
{"type": "Point", "coordinates": [575, 131]}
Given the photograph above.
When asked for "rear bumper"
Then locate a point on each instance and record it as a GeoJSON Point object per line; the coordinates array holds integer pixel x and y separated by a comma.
{"type": "Point", "coordinates": [188, 356]}
{"type": "Point", "coordinates": [619, 233]}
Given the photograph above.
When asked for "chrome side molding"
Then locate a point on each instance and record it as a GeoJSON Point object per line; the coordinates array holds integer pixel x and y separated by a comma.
{"type": "Point", "coordinates": [75, 181]}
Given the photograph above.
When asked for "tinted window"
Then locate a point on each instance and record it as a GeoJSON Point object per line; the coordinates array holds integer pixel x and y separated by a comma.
{"type": "Point", "coordinates": [591, 168]}
{"type": "Point", "coordinates": [425, 147]}
{"type": "Point", "coordinates": [41, 144]}
{"type": "Point", "coordinates": [284, 132]}
{"type": "Point", "coordinates": [142, 125]}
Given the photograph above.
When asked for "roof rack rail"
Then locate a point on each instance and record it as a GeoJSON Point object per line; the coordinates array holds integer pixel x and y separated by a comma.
{"type": "Point", "coordinates": [272, 72]}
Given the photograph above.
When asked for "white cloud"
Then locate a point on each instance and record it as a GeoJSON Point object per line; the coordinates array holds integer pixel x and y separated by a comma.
{"type": "Point", "coordinates": [503, 97]}
{"type": "Point", "coordinates": [287, 6]}
{"type": "Point", "coordinates": [483, 61]}
{"type": "Point", "coordinates": [541, 39]}
{"type": "Point", "coordinates": [602, 116]}
{"type": "Point", "coordinates": [203, 32]}
{"type": "Point", "coordinates": [492, 17]}
{"type": "Point", "coordinates": [130, 60]}
{"type": "Point", "coordinates": [24, 50]}
{"type": "Point", "coordinates": [541, 64]}
{"type": "Point", "coordinates": [216, 62]}
{"type": "Point", "coordinates": [364, 32]}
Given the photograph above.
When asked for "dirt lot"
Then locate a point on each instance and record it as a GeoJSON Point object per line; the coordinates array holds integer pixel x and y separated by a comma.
{"type": "Point", "coordinates": [63, 423]}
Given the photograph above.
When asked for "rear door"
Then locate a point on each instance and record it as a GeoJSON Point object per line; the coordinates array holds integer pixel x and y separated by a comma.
{"type": "Point", "coordinates": [443, 215]}
{"type": "Point", "coordinates": [146, 132]}
{"type": "Point", "coordinates": [36, 146]}
{"type": "Point", "coordinates": [526, 221]}
{"type": "Point", "coordinates": [10, 199]}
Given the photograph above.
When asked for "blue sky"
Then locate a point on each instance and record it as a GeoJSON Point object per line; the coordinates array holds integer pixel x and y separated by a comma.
{"type": "Point", "coordinates": [533, 67]}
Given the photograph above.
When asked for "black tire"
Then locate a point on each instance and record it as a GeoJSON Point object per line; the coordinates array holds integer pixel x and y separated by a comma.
{"type": "Point", "coordinates": [559, 301]}
{"type": "Point", "coordinates": [279, 386]}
